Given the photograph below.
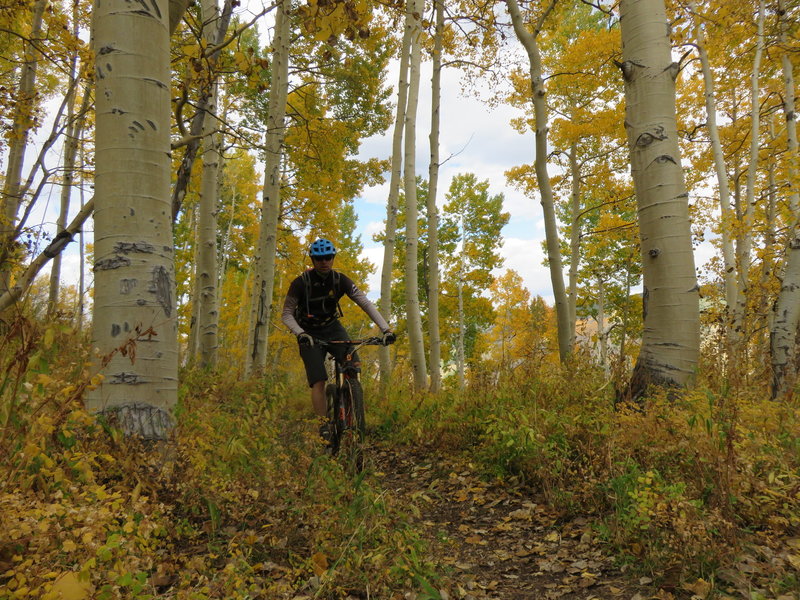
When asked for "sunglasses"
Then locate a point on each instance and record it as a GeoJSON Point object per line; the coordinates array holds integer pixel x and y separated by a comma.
{"type": "Point", "coordinates": [324, 257]}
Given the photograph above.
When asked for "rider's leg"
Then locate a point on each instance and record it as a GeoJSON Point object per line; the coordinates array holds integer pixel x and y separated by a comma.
{"type": "Point", "coordinates": [318, 400]}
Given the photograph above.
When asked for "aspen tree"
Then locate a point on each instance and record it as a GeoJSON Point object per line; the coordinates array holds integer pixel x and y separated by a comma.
{"type": "Point", "coordinates": [728, 258]}
{"type": "Point", "coordinates": [73, 133]}
{"type": "Point", "coordinates": [671, 337]}
{"type": "Point", "coordinates": [264, 270]}
{"type": "Point", "coordinates": [434, 335]}
{"type": "Point", "coordinates": [134, 254]}
{"type": "Point", "coordinates": [783, 336]}
{"type": "Point", "coordinates": [20, 127]}
{"type": "Point", "coordinates": [529, 42]}
{"type": "Point", "coordinates": [75, 124]}
{"type": "Point", "coordinates": [745, 240]}
{"type": "Point", "coordinates": [394, 192]}
{"type": "Point", "coordinates": [413, 314]}
{"type": "Point", "coordinates": [206, 285]}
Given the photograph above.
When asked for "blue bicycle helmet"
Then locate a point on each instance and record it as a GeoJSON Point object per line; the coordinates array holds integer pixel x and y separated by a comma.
{"type": "Point", "coordinates": [322, 247]}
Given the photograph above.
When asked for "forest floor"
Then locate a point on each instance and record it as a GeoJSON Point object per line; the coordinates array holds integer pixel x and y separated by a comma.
{"type": "Point", "coordinates": [498, 540]}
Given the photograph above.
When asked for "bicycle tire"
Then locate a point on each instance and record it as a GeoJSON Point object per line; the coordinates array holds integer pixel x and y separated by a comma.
{"type": "Point", "coordinates": [356, 396]}
{"type": "Point", "coordinates": [354, 428]}
{"type": "Point", "coordinates": [333, 416]}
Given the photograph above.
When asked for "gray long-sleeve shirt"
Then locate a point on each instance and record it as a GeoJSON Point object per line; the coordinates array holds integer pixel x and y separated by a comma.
{"type": "Point", "coordinates": [296, 296]}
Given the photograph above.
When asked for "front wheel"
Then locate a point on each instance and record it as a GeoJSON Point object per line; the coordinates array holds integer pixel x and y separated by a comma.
{"type": "Point", "coordinates": [352, 387]}
{"type": "Point", "coordinates": [354, 430]}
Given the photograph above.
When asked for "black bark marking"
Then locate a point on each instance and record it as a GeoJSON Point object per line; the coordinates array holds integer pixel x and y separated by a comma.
{"type": "Point", "coordinates": [126, 378]}
{"type": "Point", "coordinates": [156, 10]}
{"type": "Point", "coordinates": [162, 287]}
{"type": "Point", "coordinates": [126, 285]}
{"type": "Point", "coordinates": [106, 50]}
{"type": "Point", "coordinates": [648, 137]}
{"type": "Point", "coordinates": [153, 126]}
{"type": "Point", "coordinates": [115, 330]}
{"type": "Point", "coordinates": [665, 158]}
{"type": "Point", "coordinates": [155, 82]}
{"type": "Point", "coordinates": [138, 125]}
{"type": "Point", "coordinates": [114, 262]}
{"type": "Point", "coordinates": [129, 247]}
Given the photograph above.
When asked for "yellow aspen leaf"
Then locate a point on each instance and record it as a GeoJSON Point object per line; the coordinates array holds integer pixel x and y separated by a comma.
{"type": "Point", "coordinates": [69, 546]}
{"type": "Point", "coordinates": [319, 562]}
{"type": "Point", "coordinates": [70, 587]}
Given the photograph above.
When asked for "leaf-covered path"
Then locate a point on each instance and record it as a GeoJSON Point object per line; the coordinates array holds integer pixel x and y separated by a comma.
{"type": "Point", "coordinates": [497, 541]}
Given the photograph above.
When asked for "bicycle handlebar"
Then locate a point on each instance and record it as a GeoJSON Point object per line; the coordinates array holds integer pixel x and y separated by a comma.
{"type": "Point", "coordinates": [370, 341]}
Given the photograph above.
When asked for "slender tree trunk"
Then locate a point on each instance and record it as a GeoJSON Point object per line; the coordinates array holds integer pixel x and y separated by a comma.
{"type": "Point", "coordinates": [74, 133]}
{"type": "Point", "coordinates": [22, 122]}
{"type": "Point", "coordinates": [264, 272]}
{"type": "Point", "coordinates": [70, 152]}
{"type": "Point", "coordinates": [413, 316]}
{"type": "Point", "coordinates": [461, 359]}
{"type": "Point", "coordinates": [134, 255]}
{"type": "Point", "coordinates": [206, 284]}
{"type": "Point", "coordinates": [575, 239]}
{"type": "Point", "coordinates": [602, 332]}
{"type": "Point", "coordinates": [392, 201]}
{"type": "Point", "coordinates": [744, 247]}
{"type": "Point", "coordinates": [197, 125]}
{"type": "Point", "coordinates": [727, 217]}
{"type": "Point", "coordinates": [81, 259]}
{"type": "Point", "coordinates": [783, 336]}
{"type": "Point", "coordinates": [433, 211]}
{"type": "Point", "coordinates": [529, 42]}
{"type": "Point", "coordinates": [671, 338]}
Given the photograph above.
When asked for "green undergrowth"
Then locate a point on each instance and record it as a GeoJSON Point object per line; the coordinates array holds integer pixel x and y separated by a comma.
{"type": "Point", "coordinates": [699, 485]}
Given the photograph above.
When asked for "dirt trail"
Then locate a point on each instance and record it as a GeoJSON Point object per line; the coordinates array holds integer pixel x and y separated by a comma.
{"type": "Point", "coordinates": [495, 541]}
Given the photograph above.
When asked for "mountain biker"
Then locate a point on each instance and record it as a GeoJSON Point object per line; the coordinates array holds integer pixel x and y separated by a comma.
{"type": "Point", "coordinates": [311, 310]}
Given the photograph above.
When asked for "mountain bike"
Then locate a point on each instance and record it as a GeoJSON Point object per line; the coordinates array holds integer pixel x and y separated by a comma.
{"type": "Point", "coordinates": [346, 401]}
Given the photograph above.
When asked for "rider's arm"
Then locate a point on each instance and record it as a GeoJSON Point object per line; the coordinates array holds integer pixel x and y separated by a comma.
{"type": "Point", "coordinates": [360, 298]}
{"type": "Point", "coordinates": [289, 304]}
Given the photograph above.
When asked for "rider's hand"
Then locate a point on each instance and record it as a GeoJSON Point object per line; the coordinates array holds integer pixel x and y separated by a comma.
{"type": "Point", "coordinates": [305, 339]}
{"type": "Point", "coordinates": [389, 337]}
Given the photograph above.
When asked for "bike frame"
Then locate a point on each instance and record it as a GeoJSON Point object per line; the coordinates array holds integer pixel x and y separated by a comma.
{"type": "Point", "coordinates": [348, 423]}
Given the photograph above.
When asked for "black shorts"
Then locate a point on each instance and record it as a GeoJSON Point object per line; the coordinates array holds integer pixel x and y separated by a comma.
{"type": "Point", "coordinates": [314, 356]}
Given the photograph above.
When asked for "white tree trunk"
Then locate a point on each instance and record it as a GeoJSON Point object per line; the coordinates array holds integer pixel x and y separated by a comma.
{"type": "Point", "coordinates": [18, 141]}
{"type": "Point", "coordinates": [264, 272]}
{"type": "Point", "coordinates": [783, 342]}
{"type": "Point", "coordinates": [727, 217]}
{"type": "Point", "coordinates": [671, 337]}
{"type": "Point", "coordinates": [74, 133]}
{"type": "Point", "coordinates": [745, 244]}
{"type": "Point", "coordinates": [433, 212]}
{"type": "Point", "coordinates": [392, 201]}
{"type": "Point", "coordinates": [461, 358]}
{"type": "Point", "coordinates": [205, 279]}
{"type": "Point", "coordinates": [574, 239]}
{"type": "Point", "coordinates": [134, 255]}
{"type": "Point", "coordinates": [413, 316]}
{"type": "Point", "coordinates": [528, 40]}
